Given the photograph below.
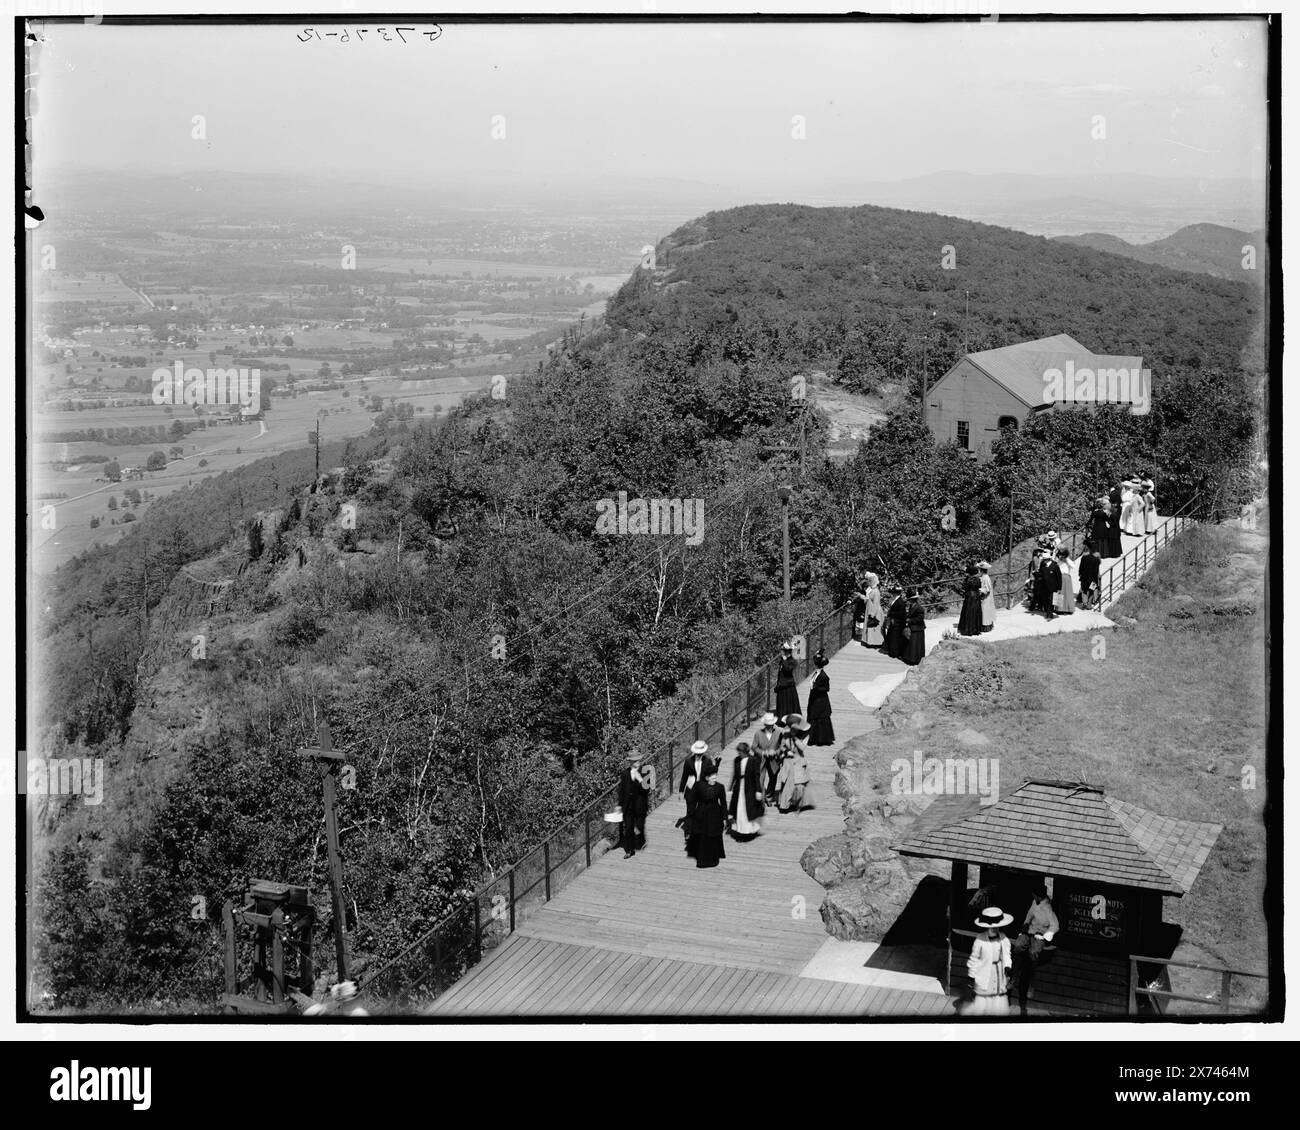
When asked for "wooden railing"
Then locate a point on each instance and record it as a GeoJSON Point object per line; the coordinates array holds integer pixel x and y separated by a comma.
{"type": "Point", "coordinates": [1222, 1004]}
{"type": "Point", "coordinates": [443, 953]}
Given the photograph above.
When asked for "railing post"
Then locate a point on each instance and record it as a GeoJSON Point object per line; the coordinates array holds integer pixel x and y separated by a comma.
{"type": "Point", "coordinates": [437, 962]}
{"type": "Point", "coordinates": [767, 686]}
{"type": "Point", "coordinates": [478, 928]}
{"type": "Point", "coordinates": [546, 862]}
{"type": "Point", "coordinates": [512, 900]}
{"type": "Point", "coordinates": [1225, 991]}
{"type": "Point", "coordinates": [1132, 986]}
{"type": "Point", "coordinates": [697, 731]}
{"type": "Point", "coordinates": [586, 820]}
{"type": "Point", "coordinates": [722, 723]}
{"type": "Point", "coordinates": [670, 772]}
{"type": "Point", "coordinates": [821, 636]}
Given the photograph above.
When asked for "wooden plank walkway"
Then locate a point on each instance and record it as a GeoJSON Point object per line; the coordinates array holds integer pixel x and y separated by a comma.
{"type": "Point", "coordinates": [529, 976]}
{"type": "Point", "coordinates": [656, 935]}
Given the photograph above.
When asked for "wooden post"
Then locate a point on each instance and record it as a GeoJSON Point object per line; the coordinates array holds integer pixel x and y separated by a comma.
{"type": "Point", "coordinates": [546, 862]}
{"type": "Point", "coordinates": [1132, 986]}
{"type": "Point", "coordinates": [228, 923]}
{"type": "Point", "coordinates": [1225, 991]}
{"type": "Point", "coordinates": [330, 758]}
{"type": "Point", "coordinates": [277, 957]}
{"type": "Point", "coordinates": [512, 900]}
{"type": "Point", "coordinates": [586, 826]}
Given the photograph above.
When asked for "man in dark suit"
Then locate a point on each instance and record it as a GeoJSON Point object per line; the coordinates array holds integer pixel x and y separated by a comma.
{"type": "Point", "coordinates": [692, 774]}
{"type": "Point", "coordinates": [634, 800]}
{"type": "Point", "coordinates": [1050, 572]}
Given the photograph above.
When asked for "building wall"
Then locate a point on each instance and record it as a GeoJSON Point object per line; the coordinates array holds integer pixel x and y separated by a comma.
{"type": "Point", "coordinates": [966, 393]}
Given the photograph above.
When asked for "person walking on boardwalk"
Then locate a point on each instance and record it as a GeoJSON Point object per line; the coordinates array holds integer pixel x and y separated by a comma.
{"type": "Point", "coordinates": [794, 793]}
{"type": "Point", "coordinates": [746, 809]}
{"type": "Point", "coordinates": [1063, 600]}
{"type": "Point", "coordinates": [819, 705]}
{"type": "Point", "coordinates": [872, 624]}
{"type": "Point", "coordinates": [692, 775]}
{"type": "Point", "coordinates": [914, 631]}
{"type": "Point", "coordinates": [989, 965]}
{"type": "Point", "coordinates": [1114, 543]}
{"type": "Point", "coordinates": [710, 820]}
{"type": "Point", "coordinates": [634, 800]}
{"type": "Point", "coordinates": [971, 620]}
{"type": "Point", "coordinates": [988, 604]}
{"type": "Point", "coordinates": [787, 691]}
{"type": "Point", "coordinates": [896, 626]}
{"type": "Point", "coordinates": [767, 748]}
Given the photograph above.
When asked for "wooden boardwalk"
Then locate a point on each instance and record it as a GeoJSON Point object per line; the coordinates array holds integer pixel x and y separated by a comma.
{"type": "Point", "coordinates": [531, 977]}
{"type": "Point", "coordinates": [655, 935]}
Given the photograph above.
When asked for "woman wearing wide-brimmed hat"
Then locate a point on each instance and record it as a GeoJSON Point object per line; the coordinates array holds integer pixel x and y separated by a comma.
{"type": "Point", "coordinates": [692, 775]}
{"type": "Point", "coordinates": [971, 620]}
{"type": "Point", "coordinates": [989, 965]}
{"type": "Point", "coordinates": [987, 603]}
{"type": "Point", "coordinates": [914, 632]}
{"type": "Point", "coordinates": [787, 691]}
{"type": "Point", "coordinates": [821, 732]}
{"type": "Point", "coordinates": [1149, 499]}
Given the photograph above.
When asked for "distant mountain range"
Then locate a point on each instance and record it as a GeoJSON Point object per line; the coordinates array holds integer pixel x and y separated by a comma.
{"type": "Point", "coordinates": [1205, 248]}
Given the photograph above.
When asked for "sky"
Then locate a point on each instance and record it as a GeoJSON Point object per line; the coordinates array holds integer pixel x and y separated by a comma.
{"type": "Point", "coordinates": [706, 102]}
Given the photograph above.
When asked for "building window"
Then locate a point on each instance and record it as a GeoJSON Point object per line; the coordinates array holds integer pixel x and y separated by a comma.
{"type": "Point", "coordinates": [1008, 422]}
{"type": "Point", "coordinates": [963, 434]}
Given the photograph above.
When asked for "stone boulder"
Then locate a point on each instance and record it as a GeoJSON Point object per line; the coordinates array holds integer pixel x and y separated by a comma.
{"type": "Point", "coordinates": [832, 859]}
{"type": "Point", "coordinates": [863, 910]}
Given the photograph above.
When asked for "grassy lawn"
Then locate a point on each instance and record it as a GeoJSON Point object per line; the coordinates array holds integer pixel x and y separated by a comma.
{"type": "Point", "coordinates": [1166, 711]}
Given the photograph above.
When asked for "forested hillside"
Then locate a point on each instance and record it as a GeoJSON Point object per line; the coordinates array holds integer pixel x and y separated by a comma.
{"type": "Point", "coordinates": [483, 650]}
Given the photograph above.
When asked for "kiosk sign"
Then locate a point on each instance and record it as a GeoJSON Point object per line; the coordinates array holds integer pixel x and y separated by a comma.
{"type": "Point", "coordinates": [1090, 912]}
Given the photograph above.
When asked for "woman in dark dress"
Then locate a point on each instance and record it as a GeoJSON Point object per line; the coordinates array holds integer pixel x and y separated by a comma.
{"type": "Point", "coordinates": [914, 648]}
{"type": "Point", "coordinates": [819, 705]}
{"type": "Point", "coordinates": [1099, 524]}
{"type": "Point", "coordinates": [746, 810]}
{"type": "Point", "coordinates": [1089, 574]}
{"type": "Point", "coordinates": [708, 819]}
{"type": "Point", "coordinates": [895, 626]}
{"type": "Point", "coordinates": [971, 620]}
{"type": "Point", "coordinates": [1114, 545]}
{"type": "Point", "coordinates": [787, 691]}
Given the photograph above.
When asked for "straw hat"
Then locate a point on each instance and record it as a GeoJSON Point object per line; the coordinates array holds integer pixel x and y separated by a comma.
{"type": "Point", "coordinates": [769, 719]}
{"type": "Point", "coordinates": [700, 748]}
{"type": "Point", "coordinates": [635, 755]}
{"type": "Point", "coordinates": [991, 918]}
{"type": "Point", "coordinates": [983, 565]}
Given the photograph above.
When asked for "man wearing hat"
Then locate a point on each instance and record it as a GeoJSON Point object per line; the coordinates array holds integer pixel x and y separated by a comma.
{"type": "Point", "coordinates": [634, 800]}
{"type": "Point", "coordinates": [989, 965]}
{"type": "Point", "coordinates": [766, 747]}
{"type": "Point", "coordinates": [692, 774]}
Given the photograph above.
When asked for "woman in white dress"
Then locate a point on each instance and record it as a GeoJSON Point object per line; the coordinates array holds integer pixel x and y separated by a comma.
{"type": "Point", "coordinates": [989, 966]}
{"type": "Point", "coordinates": [1063, 598]}
{"type": "Point", "coordinates": [1149, 498]}
{"type": "Point", "coordinates": [873, 635]}
{"type": "Point", "coordinates": [1131, 514]}
{"type": "Point", "coordinates": [987, 603]}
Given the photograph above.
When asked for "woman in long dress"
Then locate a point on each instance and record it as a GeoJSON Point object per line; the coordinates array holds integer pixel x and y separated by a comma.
{"type": "Point", "coordinates": [1099, 525]}
{"type": "Point", "coordinates": [787, 690]}
{"type": "Point", "coordinates": [1114, 543]}
{"type": "Point", "coordinates": [873, 634]}
{"type": "Point", "coordinates": [795, 778]}
{"type": "Point", "coordinates": [896, 626]}
{"type": "Point", "coordinates": [746, 794]}
{"type": "Point", "coordinates": [819, 705]}
{"type": "Point", "coordinates": [1063, 598]}
{"type": "Point", "coordinates": [1130, 501]}
{"type": "Point", "coordinates": [708, 819]}
{"type": "Point", "coordinates": [988, 604]}
{"type": "Point", "coordinates": [971, 620]}
{"type": "Point", "coordinates": [914, 633]}
{"type": "Point", "coordinates": [989, 966]}
{"type": "Point", "coordinates": [1149, 499]}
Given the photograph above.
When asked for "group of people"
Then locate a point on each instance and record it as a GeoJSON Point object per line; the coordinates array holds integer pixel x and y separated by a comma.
{"type": "Point", "coordinates": [1129, 508]}
{"type": "Point", "coordinates": [771, 771]}
{"type": "Point", "coordinates": [977, 603]}
{"type": "Point", "coordinates": [890, 619]}
{"type": "Point", "coordinates": [820, 730]}
{"type": "Point", "coordinates": [990, 961]}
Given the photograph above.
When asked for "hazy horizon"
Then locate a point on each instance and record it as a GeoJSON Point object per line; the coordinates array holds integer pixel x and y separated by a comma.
{"type": "Point", "coordinates": [698, 103]}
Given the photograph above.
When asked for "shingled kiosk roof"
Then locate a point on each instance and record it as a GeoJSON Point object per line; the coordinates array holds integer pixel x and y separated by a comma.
{"type": "Point", "coordinates": [1070, 829]}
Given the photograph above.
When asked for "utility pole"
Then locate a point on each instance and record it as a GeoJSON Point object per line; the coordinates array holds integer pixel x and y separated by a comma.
{"type": "Point", "coordinates": [329, 760]}
{"type": "Point", "coordinates": [784, 492]}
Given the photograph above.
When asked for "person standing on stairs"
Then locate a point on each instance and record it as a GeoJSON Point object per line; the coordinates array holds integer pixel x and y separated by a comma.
{"type": "Point", "coordinates": [746, 810]}
{"type": "Point", "coordinates": [819, 704]}
{"type": "Point", "coordinates": [1114, 543]}
{"type": "Point", "coordinates": [692, 775]}
{"type": "Point", "coordinates": [1098, 525]}
{"type": "Point", "coordinates": [634, 800]}
{"type": "Point", "coordinates": [873, 622]}
{"type": "Point", "coordinates": [787, 691]}
{"type": "Point", "coordinates": [896, 625]}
